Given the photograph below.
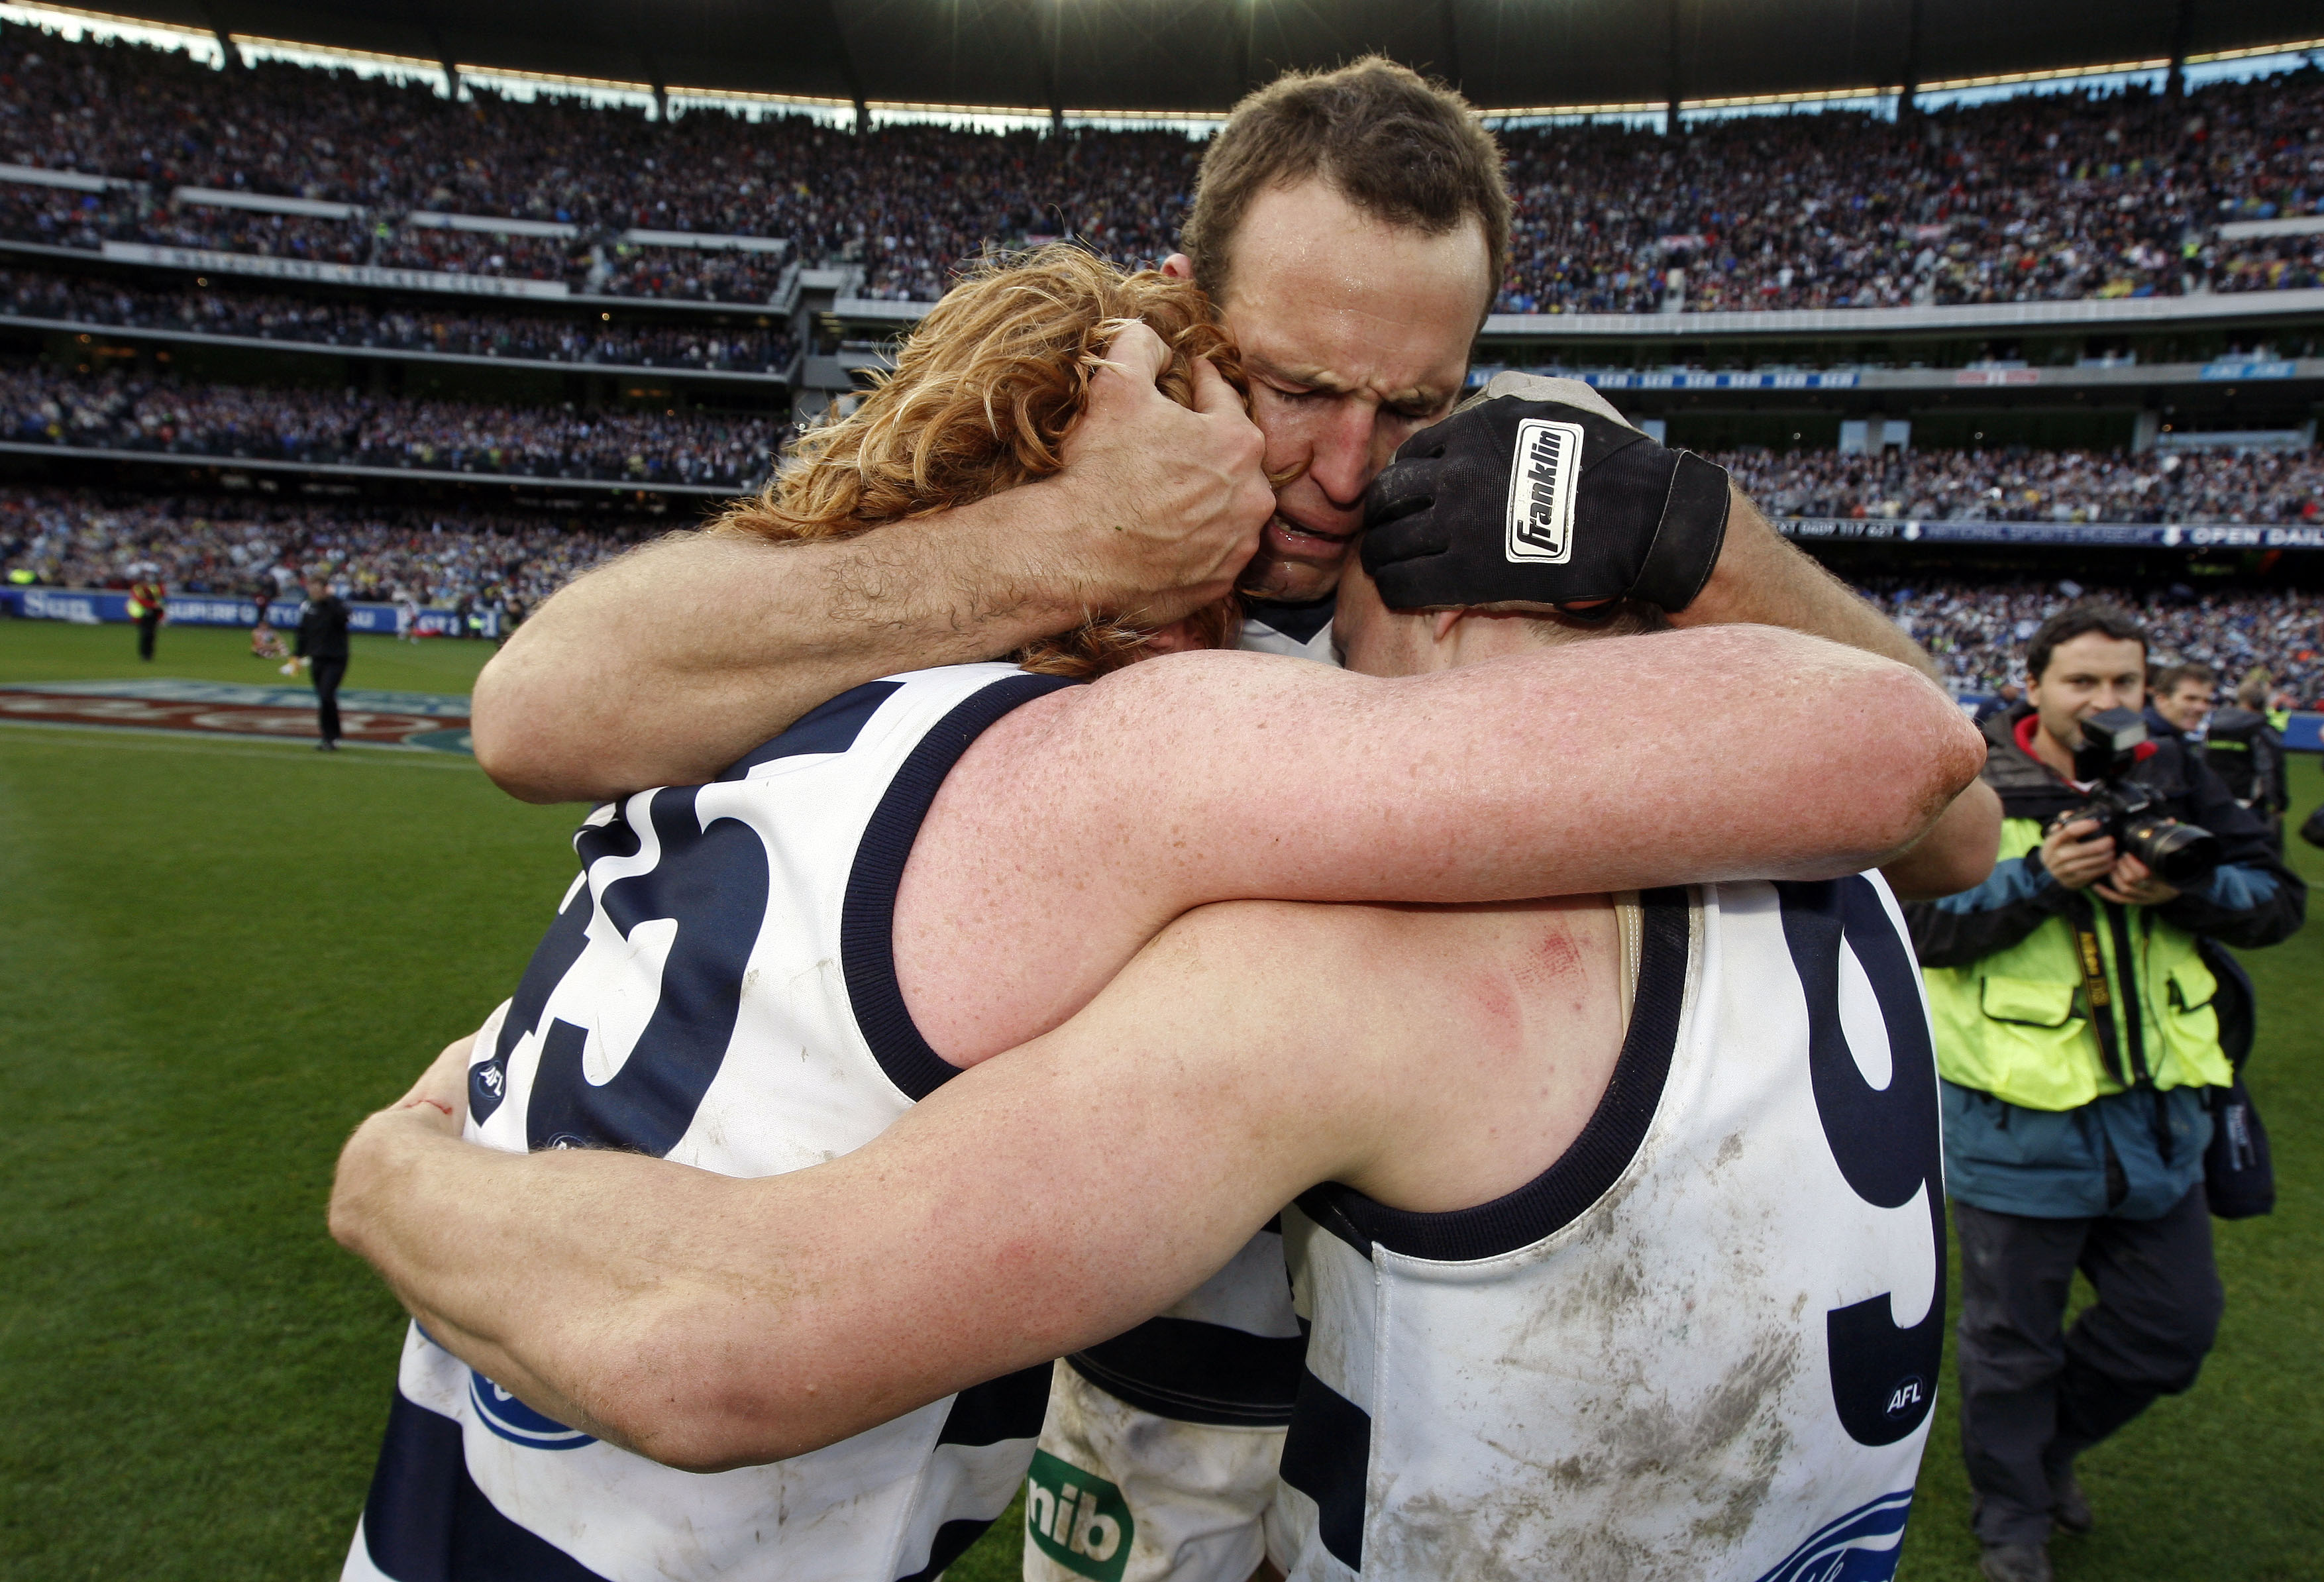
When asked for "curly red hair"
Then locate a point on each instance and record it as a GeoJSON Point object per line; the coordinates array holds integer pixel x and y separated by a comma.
{"type": "Point", "coordinates": [982, 394]}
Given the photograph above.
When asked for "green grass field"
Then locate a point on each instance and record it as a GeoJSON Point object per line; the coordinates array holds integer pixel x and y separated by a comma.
{"type": "Point", "coordinates": [221, 955]}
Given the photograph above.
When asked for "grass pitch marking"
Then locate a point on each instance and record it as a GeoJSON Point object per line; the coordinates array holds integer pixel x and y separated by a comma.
{"type": "Point", "coordinates": [255, 713]}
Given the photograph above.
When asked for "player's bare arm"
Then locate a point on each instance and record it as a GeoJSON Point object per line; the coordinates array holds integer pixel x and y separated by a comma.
{"type": "Point", "coordinates": [1494, 763]}
{"type": "Point", "coordinates": [1956, 854]}
{"type": "Point", "coordinates": [671, 663]}
{"type": "Point", "coordinates": [1618, 763]}
{"type": "Point", "coordinates": [1761, 577]}
{"type": "Point", "coordinates": [707, 1321]}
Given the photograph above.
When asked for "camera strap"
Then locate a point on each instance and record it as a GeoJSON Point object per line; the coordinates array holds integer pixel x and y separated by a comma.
{"type": "Point", "coordinates": [2096, 990]}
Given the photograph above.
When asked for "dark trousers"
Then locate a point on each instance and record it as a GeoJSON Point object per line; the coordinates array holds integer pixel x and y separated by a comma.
{"type": "Point", "coordinates": [327, 674]}
{"type": "Point", "coordinates": [147, 625]}
{"type": "Point", "coordinates": [2032, 1400]}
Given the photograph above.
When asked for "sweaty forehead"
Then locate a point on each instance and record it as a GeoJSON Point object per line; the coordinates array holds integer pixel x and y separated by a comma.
{"type": "Point", "coordinates": [1323, 294]}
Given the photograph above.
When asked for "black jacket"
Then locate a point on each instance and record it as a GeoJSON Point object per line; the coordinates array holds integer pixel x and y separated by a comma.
{"type": "Point", "coordinates": [323, 629]}
{"type": "Point", "coordinates": [2247, 752]}
{"type": "Point", "coordinates": [2245, 915]}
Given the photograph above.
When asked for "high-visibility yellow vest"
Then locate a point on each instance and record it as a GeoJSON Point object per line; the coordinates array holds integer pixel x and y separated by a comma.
{"type": "Point", "coordinates": [2016, 1023]}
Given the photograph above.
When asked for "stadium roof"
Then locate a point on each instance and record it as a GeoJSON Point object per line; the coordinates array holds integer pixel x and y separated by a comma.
{"type": "Point", "coordinates": [1199, 55]}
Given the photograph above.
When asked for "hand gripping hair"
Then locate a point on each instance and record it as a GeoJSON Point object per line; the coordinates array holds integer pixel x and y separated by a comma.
{"type": "Point", "coordinates": [982, 395]}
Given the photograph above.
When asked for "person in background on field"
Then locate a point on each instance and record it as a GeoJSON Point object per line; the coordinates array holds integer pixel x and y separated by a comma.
{"type": "Point", "coordinates": [2004, 700]}
{"type": "Point", "coordinates": [407, 616]}
{"type": "Point", "coordinates": [266, 643]}
{"type": "Point", "coordinates": [322, 647]}
{"type": "Point", "coordinates": [2078, 1042]}
{"type": "Point", "coordinates": [2182, 700]}
{"type": "Point", "coordinates": [148, 602]}
{"type": "Point", "coordinates": [2245, 748]}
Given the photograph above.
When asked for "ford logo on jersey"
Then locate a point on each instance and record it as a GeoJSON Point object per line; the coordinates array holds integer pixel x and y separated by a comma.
{"type": "Point", "coordinates": [518, 1423]}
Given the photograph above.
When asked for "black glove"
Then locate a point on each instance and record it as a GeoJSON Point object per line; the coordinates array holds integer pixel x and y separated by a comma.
{"type": "Point", "coordinates": [1536, 501]}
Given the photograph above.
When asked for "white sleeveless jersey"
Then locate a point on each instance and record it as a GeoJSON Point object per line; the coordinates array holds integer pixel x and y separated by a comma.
{"type": "Point", "coordinates": [1181, 1420]}
{"type": "Point", "coordinates": [718, 989]}
{"type": "Point", "coordinates": [1703, 1345]}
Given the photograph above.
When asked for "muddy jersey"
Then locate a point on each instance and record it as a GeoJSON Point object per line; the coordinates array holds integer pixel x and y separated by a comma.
{"type": "Point", "coordinates": [719, 989]}
{"type": "Point", "coordinates": [1181, 1420]}
{"type": "Point", "coordinates": [1703, 1345]}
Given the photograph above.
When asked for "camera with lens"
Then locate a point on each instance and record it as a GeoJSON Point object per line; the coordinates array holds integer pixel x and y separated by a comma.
{"type": "Point", "coordinates": [2180, 854]}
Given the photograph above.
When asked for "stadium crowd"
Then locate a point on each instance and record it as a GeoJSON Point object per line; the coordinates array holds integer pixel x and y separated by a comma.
{"type": "Point", "coordinates": [2038, 197]}
{"type": "Point", "coordinates": [2027, 486]}
{"type": "Point", "coordinates": [597, 264]}
{"type": "Point", "coordinates": [2033, 197]}
{"type": "Point", "coordinates": [85, 538]}
{"type": "Point", "coordinates": [322, 322]}
{"type": "Point", "coordinates": [117, 412]}
{"type": "Point", "coordinates": [1978, 632]}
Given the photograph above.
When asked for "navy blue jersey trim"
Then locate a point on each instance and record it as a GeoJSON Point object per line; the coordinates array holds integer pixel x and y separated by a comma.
{"type": "Point", "coordinates": [1327, 1456]}
{"type": "Point", "coordinates": [1009, 1407]}
{"type": "Point", "coordinates": [867, 949]}
{"type": "Point", "coordinates": [832, 727]}
{"type": "Point", "coordinates": [1582, 1176]}
{"type": "Point", "coordinates": [1193, 1371]}
{"type": "Point", "coordinates": [1299, 620]}
{"type": "Point", "coordinates": [426, 1520]}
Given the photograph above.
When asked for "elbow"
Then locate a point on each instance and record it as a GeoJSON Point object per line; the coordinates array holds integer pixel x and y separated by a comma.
{"type": "Point", "coordinates": [505, 733]}
{"type": "Point", "coordinates": [1947, 870]}
{"type": "Point", "coordinates": [701, 1403]}
{"type": "Point", "coordinates": [1925, 756]}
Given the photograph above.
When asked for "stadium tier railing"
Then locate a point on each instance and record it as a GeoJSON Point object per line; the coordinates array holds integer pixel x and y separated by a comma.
{"type": "Point", "coordinates": [787, 375]}
{"type": "Point", "coordinates": [2097, 376]}
{"type": "Point", "coordinates": [235, 463]}
{"type": "Point", "coordinates": [2092, 534]}
{"type": "Point", "coordinates": [108, 606]}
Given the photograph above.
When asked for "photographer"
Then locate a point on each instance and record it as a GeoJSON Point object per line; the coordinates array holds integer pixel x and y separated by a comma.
{"type": "Point", "coordinates": [2077, 1040]}
{"type": "Point", "coordinates": [2245, 749]}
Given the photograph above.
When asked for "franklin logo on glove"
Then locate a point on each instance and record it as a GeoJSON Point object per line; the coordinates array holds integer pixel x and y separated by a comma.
{"type": "Point", "coordinates": [1541, 491]}
{"type": "Point", "coordinates": [1534, 492]}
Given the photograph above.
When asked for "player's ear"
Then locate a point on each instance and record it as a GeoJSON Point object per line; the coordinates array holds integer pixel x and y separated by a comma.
{"type": "Point", "coordinates": [1179, 267]}
{"type": "Point", "coordinates": [1441, 623]}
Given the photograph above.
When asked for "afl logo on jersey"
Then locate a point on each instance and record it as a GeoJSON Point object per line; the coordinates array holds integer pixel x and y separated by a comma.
{"type": "Point", "coordinates": [518, 1423]}
{"type": "Point", "coordinates": [1909, 1395]}
{"type": "Point", "coordinates": [1541, 479]}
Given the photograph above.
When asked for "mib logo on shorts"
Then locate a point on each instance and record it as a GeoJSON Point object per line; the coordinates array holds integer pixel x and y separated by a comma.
{"type": "Point", "coordinates": [1541, 491]}
{"type": "Point", "coordinates": [1078, 1521]}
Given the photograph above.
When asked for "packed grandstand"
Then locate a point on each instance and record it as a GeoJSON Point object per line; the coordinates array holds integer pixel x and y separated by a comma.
{"type": "Point", "coordinates": [2118, 194]}
{"type": "Point", "coordinates": [254, 423]}
{"type": "Point", "coordinates": [634, 250]}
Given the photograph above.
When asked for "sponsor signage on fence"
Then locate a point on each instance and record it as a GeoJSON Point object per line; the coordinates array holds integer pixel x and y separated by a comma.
{"type": "Point", "coordinates": [342, 274]}
{"type": "Point", "coordinates": [1740, 379]}
{"type": "Point", "coordinates": [97, 606]}
{"type": "Point", "coordinates": [430, 721]}
{"type": "Point", "coordinates": [2110, 534]}
{"type": "Point", "coordinates": [2240, 371]}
